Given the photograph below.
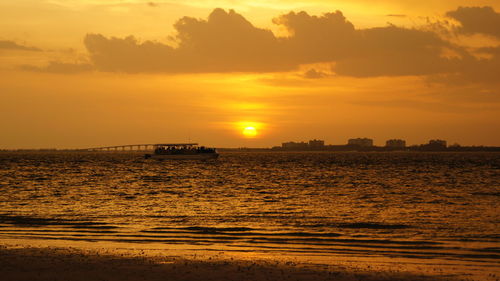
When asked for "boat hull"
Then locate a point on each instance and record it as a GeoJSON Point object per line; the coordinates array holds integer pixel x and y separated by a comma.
{"type": "Point", "coordinates": [199, 156]}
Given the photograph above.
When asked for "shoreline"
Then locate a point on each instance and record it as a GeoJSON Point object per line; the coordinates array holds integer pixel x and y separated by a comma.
{"type": "Point", "coordinates": [74, 263]}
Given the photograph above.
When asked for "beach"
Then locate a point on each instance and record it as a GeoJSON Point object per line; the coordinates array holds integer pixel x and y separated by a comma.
{"type": "Point", "coordinates": [69, 263]}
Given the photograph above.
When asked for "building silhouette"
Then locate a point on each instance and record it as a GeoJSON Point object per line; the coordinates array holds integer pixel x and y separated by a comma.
{"type": "Point", "coordinates": [363, 142]}
{"type": "Point", "coordinates": [433, 145]}
{"type": "Point", "coordinates": [311, 145]}
{"type": "Point", "coordinates": [316, 144]}
{"type": "Point", "coordinates": [437, 143]}
{"type": "Point", "coordinates": [395, 143]}
{"type": "Point", "coordinates": [295, 145]}
{"type": "Point", "coordinates": [366, 145]}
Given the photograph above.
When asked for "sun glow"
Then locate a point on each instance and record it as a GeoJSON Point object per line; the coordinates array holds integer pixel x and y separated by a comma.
{"type": "Point", "coordinates": [250, 132]}
{"type": "Point", "coordinates": [249, 129]}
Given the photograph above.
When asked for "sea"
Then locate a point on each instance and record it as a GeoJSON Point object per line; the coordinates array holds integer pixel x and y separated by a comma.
{"type": "Point", "coordinates": [434, 207]}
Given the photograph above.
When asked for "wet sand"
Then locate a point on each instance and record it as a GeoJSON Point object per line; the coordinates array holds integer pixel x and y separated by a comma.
{"type": "Point", "coordinates": [56, 263]}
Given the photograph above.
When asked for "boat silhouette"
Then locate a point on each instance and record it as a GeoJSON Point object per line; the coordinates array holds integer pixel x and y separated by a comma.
{"type": "Point", "coordinates": [182, 151]}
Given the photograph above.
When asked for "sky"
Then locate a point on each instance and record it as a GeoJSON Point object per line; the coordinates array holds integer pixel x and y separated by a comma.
{"type": "Point", "coordinates": [88, 73]}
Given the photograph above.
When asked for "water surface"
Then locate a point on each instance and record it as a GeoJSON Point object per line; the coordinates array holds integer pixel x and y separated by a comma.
{"type": "Point", "coordinates": [441, 206]}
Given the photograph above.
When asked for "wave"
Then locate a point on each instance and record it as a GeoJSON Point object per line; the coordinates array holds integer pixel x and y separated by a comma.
{"type": "Point", "coordinates": [239, 238]}
{"type": "Point", "coordinates": [360, 225]}
{"type": "Point", "coordinates": [217, 229]}
{"type": "Point", "coordinates": [278, 245]}
{"type": "Point", "coordinates": [40, 222]}
{"type": "Point", "coordinates": [486, 193]}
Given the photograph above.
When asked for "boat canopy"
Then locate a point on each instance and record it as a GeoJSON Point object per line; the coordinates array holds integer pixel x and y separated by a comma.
{"type": "Point", "coordinates": [175, 144]}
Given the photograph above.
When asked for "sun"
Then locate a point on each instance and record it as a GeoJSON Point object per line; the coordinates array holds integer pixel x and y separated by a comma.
{"type": "Point", "coordinates": [250, 132]}
{"type": "Point", "coordinates": [249, 129]}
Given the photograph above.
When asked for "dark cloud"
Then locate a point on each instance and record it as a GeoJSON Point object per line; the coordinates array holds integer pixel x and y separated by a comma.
{"type": "Point", "coordinates": [227, 42]}
{"type": "Point", "coordinates": [471, 69]}
{"type": "Point", "coordinates": [314, 74]}
{"type": "Point", "coordinates": [483, 70]}
{"type": "Point", "coordinates": [128, 55]}
{"type": "Point", "coordinates": [483, 20]}
{"type": "Point", "coordinates": [11, 45]}
{"type": "Point", "coordinates": [317, 39]}
{"type": "Point", "coordinates": [395, 51]}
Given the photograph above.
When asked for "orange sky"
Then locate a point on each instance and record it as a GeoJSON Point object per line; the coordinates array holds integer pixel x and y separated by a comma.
{"type": "Point", "coordinates": [77, 73]}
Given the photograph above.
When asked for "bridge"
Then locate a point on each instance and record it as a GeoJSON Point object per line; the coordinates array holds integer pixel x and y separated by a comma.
{"type": "Point", "coordinates": [134, 147]}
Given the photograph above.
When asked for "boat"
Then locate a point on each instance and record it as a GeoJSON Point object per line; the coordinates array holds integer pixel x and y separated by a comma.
{"type": "Point", "coordinates": [182, 151]}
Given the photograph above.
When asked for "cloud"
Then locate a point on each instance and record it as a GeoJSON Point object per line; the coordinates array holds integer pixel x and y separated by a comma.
{"type": "Point", "coordinates": [227, 42]}
{"type": "Point", "coordinates": [317, 38]}
{"type": "Point", "coordinates": [474, 70]}
{"type": "Point", "coordinates": [314, 74]}
{"type": "Point", "coordinates": [473, 20]}
{"type": "Point", "coordinates": [11, 45]}
{"type": "Point", "coordinates": [395, 51]}
{"type": "Point", "coordinates": [128, 55]}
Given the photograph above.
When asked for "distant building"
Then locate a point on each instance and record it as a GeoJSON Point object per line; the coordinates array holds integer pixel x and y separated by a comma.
{"type": "Point", "coordinates": [295, 145]}
{"type": "Point", "coordinates": [395, 143]}
{"type": "Point", "coordinates": [364, 142]}
{"type": "Point", "coordinates": [437, 144]}
{"type": "Point", "coordinates": [433, 145]}
{"type": "Point", "coordinates": [316, 144]}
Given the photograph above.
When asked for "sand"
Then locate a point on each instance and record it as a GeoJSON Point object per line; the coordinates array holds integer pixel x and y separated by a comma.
{"type": "Point", "coordinates": [57, 263]}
